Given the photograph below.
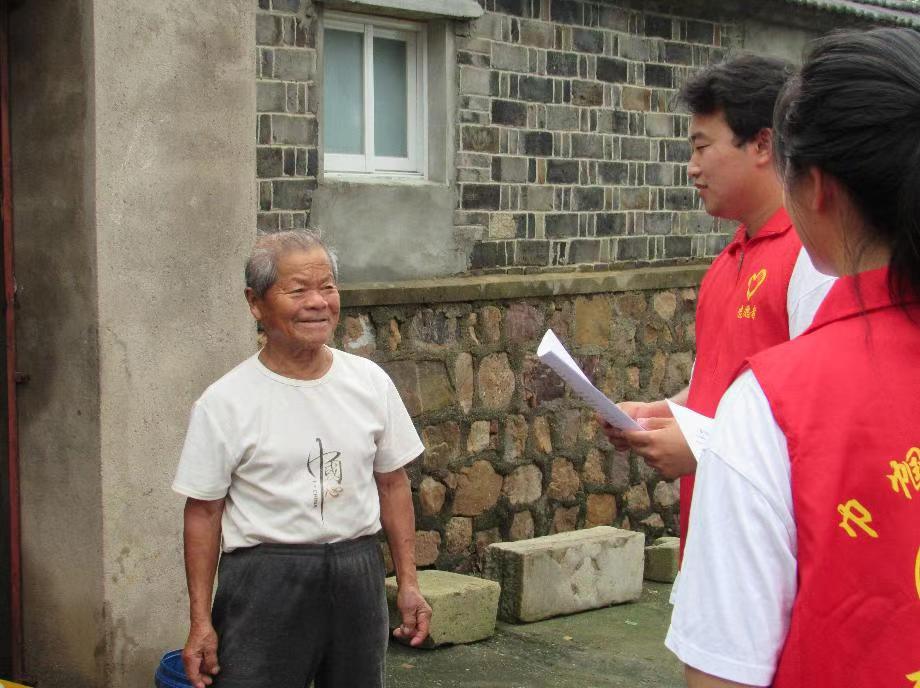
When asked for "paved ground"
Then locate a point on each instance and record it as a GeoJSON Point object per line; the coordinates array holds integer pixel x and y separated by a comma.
{"type": "Point", "coordinates": [617, 647]}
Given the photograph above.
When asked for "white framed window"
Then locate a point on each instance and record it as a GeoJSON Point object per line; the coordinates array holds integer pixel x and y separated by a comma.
{"type": "Point", "coordinates": [374, 119]}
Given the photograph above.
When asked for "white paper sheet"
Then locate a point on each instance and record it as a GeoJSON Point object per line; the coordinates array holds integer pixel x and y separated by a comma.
{"type": "Point", "coordinates": [695, 427]}
{"type": "Point", "coordinates": [553, 354]}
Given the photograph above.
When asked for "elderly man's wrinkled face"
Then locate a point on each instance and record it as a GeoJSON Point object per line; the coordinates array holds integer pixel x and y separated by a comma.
{"type": "Point", "coordinates": [301, 309]}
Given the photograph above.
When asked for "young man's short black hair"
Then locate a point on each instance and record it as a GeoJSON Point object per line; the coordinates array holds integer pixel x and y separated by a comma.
{"type": "Point", "coordinates": [743, 88]}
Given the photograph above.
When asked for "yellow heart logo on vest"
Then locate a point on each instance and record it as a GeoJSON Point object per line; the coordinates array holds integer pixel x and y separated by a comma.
{"type": "Point", "coordinates": [755, 281]}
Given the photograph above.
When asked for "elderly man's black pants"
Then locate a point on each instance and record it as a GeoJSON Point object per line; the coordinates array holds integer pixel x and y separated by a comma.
{"type": "Point", "coordinates": [287, 615]}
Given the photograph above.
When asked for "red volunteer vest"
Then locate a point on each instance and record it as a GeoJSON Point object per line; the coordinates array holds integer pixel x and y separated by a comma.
{"type": "Point", "coordinates": [847, 396]}
{"type": "Point", "coordinates": [741, 311]}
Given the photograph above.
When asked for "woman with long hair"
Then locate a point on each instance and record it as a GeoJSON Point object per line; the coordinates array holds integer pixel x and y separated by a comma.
{"type": "Point", "coordinates": [802, 567]}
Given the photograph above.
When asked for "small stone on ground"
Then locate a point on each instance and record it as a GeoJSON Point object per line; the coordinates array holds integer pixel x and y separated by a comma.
{"type": "Point", "coordinates": [463, 607]}
{"type": "Point", "coordinates": [662, 559]}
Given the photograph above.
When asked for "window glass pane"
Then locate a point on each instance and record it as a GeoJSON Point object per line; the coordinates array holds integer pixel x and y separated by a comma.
{"type": "Point", "coordinates": [390, 110]}
{"type": "Point", "coordinates": [343, 93]}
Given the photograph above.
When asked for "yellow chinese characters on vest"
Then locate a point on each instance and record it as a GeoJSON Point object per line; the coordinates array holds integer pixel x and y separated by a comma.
{"type": "Point", "coordinates": [904, 480]}
{"type": "Point", "coordinates": [748, 310]}
{"type": "Point", "coordinates": [905, 474]}
{"type": "Point", "coordinates": [855, 521]}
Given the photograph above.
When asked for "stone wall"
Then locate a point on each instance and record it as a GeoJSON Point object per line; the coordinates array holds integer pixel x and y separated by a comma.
{"type": "Point", "coordinates": [510, 453]}
{"type": "Point", "coordinates": [568, 151]}
{"type": "Point", "coordinates": [286, 102]}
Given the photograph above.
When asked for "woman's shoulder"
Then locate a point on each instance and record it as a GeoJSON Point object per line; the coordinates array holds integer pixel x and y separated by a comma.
{"type": "Point", "coordinates": [779, 363]}
{"type": "Point", "coordinates": [802, 350]}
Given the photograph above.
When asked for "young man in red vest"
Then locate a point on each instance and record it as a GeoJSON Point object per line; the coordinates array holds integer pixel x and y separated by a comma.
{"type": "Point", "coordinates": [762, 289]}
{"type": "Point", "coordinates": [802, 567]}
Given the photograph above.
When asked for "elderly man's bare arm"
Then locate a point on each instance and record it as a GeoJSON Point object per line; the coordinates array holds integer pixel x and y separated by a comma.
{"type": "Point", "coordinates": [398, 520]}
{"type": "Point", "coordinates": [202, 550]}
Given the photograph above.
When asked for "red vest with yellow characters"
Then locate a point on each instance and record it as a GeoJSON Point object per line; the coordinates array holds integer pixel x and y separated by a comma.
{"type": "Point", "coordinates": [847, 396]}
{"type": "Point", "coordinates": [741, 311]}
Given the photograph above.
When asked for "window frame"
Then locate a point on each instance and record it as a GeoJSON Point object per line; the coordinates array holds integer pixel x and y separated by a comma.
{"type": "Point", "coordinates": [366, 164]}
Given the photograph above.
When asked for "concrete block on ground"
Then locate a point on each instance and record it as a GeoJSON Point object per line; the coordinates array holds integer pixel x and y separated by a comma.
{"type": "Point", "coordinates": [463, 608]}
{"type": "Point", "coordinates": [566, 573]}
{"type": "Point", "coordinates": [662, 558]}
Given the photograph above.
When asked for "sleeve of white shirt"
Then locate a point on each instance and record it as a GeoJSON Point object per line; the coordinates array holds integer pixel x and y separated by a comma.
{"type": "Point", "coordinates": [400, 442]}
{"type": "Point", "coordinates": [807, 289]}
{"type": "Point", "coordinates": [738, 579]}
{"type": "Point", "coordinates": [207, 460]}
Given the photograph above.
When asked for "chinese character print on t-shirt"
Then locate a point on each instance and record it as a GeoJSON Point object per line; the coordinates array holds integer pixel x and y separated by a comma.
{"type": "Point", "coordinates": [325, 469]}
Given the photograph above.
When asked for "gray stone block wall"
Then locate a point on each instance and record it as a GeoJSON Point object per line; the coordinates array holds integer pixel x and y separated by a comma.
{"type": "Point", "coordinates": [569, 154]}
{"type": "Point", "coordinates": [286, 104]}
{"type": "Point", "coordinates": [510, 452]}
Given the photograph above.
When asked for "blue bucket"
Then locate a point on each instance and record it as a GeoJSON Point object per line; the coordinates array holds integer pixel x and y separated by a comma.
{"type": "Point", "coordinates": [171, 673]}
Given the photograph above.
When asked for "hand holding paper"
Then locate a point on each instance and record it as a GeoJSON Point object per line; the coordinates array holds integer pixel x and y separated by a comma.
{"type": "Point", "coordinates": [552, 353]}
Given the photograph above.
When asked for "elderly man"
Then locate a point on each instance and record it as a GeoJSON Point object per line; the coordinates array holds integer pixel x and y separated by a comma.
{"type": "Point", "coordinates": [292, 462]}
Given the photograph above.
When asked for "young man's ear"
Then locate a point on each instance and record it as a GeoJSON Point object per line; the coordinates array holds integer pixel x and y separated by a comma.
{"type": "Point", "coordinates": [763, 145]}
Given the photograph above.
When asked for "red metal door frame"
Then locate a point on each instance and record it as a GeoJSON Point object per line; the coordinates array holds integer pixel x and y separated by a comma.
{"type": "Point", "coordinates": [9, 295]}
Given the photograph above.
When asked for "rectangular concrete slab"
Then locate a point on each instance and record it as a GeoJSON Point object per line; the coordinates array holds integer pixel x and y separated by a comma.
{"type": "Point", "coordinates": [566, 573]}
{"type": "Point", "coordinates": [463, 608]}
{"type": "Point", "coordinates": [662, 559]}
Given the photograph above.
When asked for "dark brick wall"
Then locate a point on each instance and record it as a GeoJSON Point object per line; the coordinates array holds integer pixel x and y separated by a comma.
{"type": "Point", "coordinates": [286, 102]}
{"type": "Point", "coordinates": [569, 154]}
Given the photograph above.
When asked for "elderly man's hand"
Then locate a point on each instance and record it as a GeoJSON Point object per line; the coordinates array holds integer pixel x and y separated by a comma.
{"type": "Point", "coordinates": [416, 615]}
{"type": "Point", "coordinates": [663, 447]}
{"type": "Point", "coordinates": [199, 656]}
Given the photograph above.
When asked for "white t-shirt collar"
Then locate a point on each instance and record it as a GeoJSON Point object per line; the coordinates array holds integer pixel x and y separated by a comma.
{"type": "Point", "coordinates": [294, 382]}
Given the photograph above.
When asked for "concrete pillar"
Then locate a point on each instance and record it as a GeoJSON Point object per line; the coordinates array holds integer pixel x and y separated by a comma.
{"type": "Point", "coordinates": [135, 210]}
{"type": "Point", "coordinates": [52, 142]}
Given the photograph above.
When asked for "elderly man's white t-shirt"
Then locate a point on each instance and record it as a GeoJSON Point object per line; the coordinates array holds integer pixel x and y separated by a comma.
{"type": "Point", "coordinates": [296, 459]}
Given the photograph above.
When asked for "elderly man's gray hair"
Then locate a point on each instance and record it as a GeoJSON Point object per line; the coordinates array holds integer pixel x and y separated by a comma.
{"type": "Point", "coordinates": [262, 265]}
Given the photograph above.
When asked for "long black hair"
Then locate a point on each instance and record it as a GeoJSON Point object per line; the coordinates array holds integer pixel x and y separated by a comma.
{"type": "Point", "coordinates": [853, 111]}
